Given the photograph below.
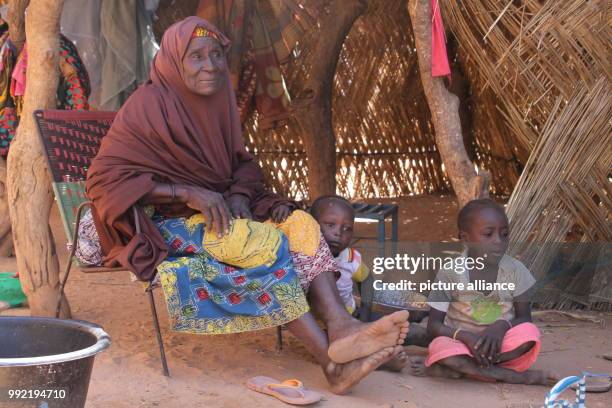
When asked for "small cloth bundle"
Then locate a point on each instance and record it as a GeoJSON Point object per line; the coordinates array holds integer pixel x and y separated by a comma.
{"type": "Point", "coordinates": [249, 244]}
{"type": "Point", "coordinates": [11, 294]}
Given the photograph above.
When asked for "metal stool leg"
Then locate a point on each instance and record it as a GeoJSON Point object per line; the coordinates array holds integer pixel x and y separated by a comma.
{"type": "Point", "coordinates": [381, 230]}
{"type": "Point", "coordinates": [279, 339]}
{"type": "Point", "coordinates": [160, 341]}
{"type": "Point", "coordinates": [394, 225]}
{"type": "Point", "coordinates": [367, 296]}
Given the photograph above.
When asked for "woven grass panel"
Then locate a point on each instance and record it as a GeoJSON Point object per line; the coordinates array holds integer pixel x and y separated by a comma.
{"type": "Point", "coordinates": [540, 77]}
{"type": "Point", "coordinates": [529, 53]}
{"type": "Point", "coordinates": [385, 139]}
{"type": "Point", "coordinates": [519, 58]}
{"type": "Point", "coordinates": [565, 193]}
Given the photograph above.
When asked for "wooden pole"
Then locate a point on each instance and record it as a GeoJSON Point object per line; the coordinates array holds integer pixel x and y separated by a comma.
{"type": "Point", "coordinates": [29, 184]}
{"type": "Point", "coordinates": [314, 106]}
{"type": "Point", "coordinates": [444, 107]}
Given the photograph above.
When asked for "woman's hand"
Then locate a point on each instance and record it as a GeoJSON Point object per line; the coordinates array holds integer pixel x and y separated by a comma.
{"type": "Point", "coordinates": [471, 340]}
{"type": "Point", "coordinates": [489, 343]}
{"type": "Point", "coordinates": [280, 213]}
{"type": "Point", "coordinates": [212, 206]}
{"type": "Point", "coordinates": [239, 206]}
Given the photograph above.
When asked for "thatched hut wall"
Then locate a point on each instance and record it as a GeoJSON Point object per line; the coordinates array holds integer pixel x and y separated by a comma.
{"type": "Point", "coordinates": [546, 64]}
{"type": "Point", "coordinates": [385, 143]}
{"type": "Point", "coordinates": [517, 59]}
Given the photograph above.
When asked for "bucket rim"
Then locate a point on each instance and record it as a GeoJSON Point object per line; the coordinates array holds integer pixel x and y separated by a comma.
{"type": "Point", "coordinates": [103, 341]}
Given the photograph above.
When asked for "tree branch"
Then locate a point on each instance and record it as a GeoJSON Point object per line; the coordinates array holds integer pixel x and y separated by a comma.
{"type": "Point", "coordinates": [444, 107]}
{"type": "Point", "coordinates": [6, 239]}
{"type": "Point", "coordinates": [16, 22]}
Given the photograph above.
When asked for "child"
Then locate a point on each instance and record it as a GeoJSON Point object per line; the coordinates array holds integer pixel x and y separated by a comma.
{"type": "Point", "coordinates": [336, 217]}
{"type": "Point", "coordinates": [487, 336]}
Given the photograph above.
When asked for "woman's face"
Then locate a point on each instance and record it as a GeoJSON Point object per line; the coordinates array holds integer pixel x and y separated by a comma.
{"type": "Point", "coordinates": [204, 66]}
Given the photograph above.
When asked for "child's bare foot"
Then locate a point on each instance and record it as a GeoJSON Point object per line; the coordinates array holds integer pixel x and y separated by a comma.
{"type": "Point", "coordinates": [343, 377]}
{"type": "Point", "coordinates": [363, 339]}
{"type": "Point", "coordinates": [396, 364]}
{"type": "Point", "coordinates": [418, 369]}
{"type": "Point", "coordinates": [417, 336]}
{"type": "Point", "coordinates": [541, 377]}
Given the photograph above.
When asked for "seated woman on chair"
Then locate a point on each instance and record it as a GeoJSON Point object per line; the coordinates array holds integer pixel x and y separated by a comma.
{"type": "Point", "coordinates": [176, 147]}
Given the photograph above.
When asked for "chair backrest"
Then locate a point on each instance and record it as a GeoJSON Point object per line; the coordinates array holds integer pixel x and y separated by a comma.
{"type": "Point", "coordinates": [71, 139]}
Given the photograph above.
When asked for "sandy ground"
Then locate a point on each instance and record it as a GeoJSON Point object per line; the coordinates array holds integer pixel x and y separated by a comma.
{"type": "Point", "coordinates": [209, 371]}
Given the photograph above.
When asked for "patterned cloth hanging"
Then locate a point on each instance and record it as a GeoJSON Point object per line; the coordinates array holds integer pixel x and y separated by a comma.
{"type": "Point", "coordinates": [263, 34]}
{"type": "Point", "coordinates": [72, 92]}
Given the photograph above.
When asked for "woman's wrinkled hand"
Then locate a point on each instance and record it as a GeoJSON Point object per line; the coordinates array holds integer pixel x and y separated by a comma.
{"type": "Point", "coordinates": [239, 206]}
{"type": "Point", "coordinates": [280, 213]}
{"type": "Point", "coordinates": [212, 206]}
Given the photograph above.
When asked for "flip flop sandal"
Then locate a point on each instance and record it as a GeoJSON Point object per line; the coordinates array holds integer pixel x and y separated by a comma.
{"type": "Point", "coordinates": [596, 383]}
{"type": "Point", "coordinates": [289, 391]}
{"type": "Point", "coordinates": [578, 383]}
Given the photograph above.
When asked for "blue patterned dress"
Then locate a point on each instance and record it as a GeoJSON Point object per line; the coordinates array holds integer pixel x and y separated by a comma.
{"type": "Point", "coordinates": [206, 296]}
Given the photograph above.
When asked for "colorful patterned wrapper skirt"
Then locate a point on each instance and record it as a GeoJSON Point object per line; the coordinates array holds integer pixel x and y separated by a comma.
{"type": "Point", "coordinates": [206, 296]}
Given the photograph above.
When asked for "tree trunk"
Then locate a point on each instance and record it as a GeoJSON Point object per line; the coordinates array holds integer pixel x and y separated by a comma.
{"type": "Point", "coordinates": [314, 107]}
{"type": "Point", "coordinates": [16, 21]}
{"type": "Point", "coordinates": [29, 184]}
{"type": "Point", "coordinates": [444, 107]}
{"type": "Point", "coordinates": [6, 240]}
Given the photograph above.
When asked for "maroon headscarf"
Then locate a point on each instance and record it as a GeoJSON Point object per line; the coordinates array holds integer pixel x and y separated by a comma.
{"type": "Point", "coordinates": [166, 133]}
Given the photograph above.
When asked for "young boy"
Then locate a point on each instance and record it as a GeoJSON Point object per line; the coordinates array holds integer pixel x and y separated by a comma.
{"type": "Point", "coordinates": [336, 217]}
{"type": "Point", "coordinates": [487, 335]}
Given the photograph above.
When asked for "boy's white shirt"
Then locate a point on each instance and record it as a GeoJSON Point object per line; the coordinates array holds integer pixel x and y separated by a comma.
{"type": "Point", "coordinates": [348, 262]}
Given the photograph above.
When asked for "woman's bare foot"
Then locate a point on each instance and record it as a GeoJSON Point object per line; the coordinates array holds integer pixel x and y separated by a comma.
{"type": "Point", "coordinates": [343, 377]}
{"type": "Point", "coordinates": [363, 339]}
{"type": "Point", "coordinates": [418, 369]}
{"type": "Point", "coordinates": [396, 364]}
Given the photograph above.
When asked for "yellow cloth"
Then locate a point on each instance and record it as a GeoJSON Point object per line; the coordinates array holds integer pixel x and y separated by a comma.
{"type": "Point", "coordinates": [302, 231]}
{"type": "Point", "coordinates": [361, 273]}
{"type": "Point", "coordinates": [248, 244]}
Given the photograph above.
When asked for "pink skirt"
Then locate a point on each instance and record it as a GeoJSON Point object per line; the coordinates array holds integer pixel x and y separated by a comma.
{"type": "Point", "coordinates": [444, 347]}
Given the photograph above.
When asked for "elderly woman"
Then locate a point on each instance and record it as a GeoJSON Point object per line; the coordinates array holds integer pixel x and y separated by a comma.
{"type": "Point", "coordinates": [176, 148]}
